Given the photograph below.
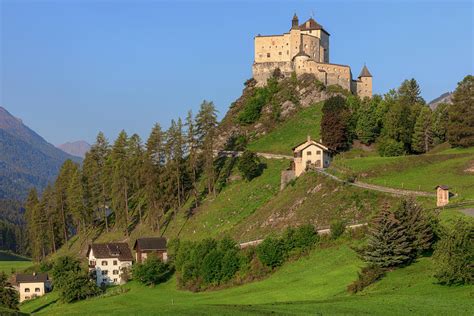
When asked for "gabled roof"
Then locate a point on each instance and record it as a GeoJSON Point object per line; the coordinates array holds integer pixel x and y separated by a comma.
{"type": "Point", "coordinates": [150, 243]}
{"type": "Point", "coordinates": [31, 278]}
{"type": "Point", "coordinates": [444, 187]}
{"type": "Point", "coordinates": [301, 53]}
{"type": "Point", "coordinates": [307, 143]}
{"type": "Point", "coordinates": [119, 250]}
{"type": "Point", "coordinates": [364, 72]}
{"type": "Point", "coordinates": [313, 25]}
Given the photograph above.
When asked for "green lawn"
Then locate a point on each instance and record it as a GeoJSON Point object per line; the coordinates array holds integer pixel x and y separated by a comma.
{"type": "Point", "coordinates": [291, 132]}
{"type": "Point", "coordinates": [311, 285]}
{"type": "Point", "coordinates": [10, 262]}
{"type": "Point", "coordinates": [421, 172]}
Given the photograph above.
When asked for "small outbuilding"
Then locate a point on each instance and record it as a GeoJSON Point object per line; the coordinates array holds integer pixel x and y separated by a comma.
{"type": "Point", "coordinates": [442, 195]}
{"type": "Point", "coordinates": [32, 285]}
{"type": "Point", "coordinates": [150, 246]}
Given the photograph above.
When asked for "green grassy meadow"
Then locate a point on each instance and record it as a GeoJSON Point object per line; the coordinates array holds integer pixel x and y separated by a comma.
{"type": "Point", "coordinates": [314, 284]}
{"type": "Point", "coordinates": [291, 132]}
{"type": "Point", "coordinates": [10, 262]}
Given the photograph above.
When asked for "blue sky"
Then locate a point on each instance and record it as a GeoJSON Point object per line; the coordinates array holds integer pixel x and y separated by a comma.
{"type": "Point", "coordinates": [72, 68]}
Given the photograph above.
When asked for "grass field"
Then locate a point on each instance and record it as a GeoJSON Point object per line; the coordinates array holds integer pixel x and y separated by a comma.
{"type": "Point", "coordinates": [311, 285]}
{"type": "Point", "coordinates": [421, 172]}
{"type": "Point", "coordinates": [291, 132]}
{"type": "Point", "coordinates": [10, 262]}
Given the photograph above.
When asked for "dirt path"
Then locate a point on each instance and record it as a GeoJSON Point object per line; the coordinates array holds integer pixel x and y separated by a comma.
{"type": "Point", "coordinates": [468, 211]}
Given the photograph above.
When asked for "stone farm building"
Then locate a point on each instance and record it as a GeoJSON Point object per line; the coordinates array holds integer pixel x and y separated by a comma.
{"type": "Point", "coordinates": [32, 285]}
{"type": "Point", "coordinates": [150, 246]}
{"type": "Point", "coordinates": [108, 261]}
{"type": "Point", "coordinates": [305, 49]}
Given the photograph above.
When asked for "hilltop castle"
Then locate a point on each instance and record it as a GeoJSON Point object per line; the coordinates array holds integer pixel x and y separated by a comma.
{"type": "Point", "coordinates": [305, 49]}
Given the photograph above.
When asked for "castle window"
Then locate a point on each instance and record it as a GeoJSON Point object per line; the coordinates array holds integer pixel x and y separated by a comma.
{"type": "Point", "coordinates": [268, 55]}
{"type": "Point", "coordinates": [287, 52]}
{"type": "Point", "coordinates": [310, 31]}
{"type": "Point", "coordinates": [279, 53]}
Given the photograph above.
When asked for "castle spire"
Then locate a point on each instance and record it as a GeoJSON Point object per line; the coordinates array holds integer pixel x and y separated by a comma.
{"type": "Point", "coordinates": [294, 22]}
{"type": "Point", "coordinates": [364, 72]}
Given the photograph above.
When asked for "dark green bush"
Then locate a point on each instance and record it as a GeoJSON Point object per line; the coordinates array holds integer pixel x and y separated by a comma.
{"type": "Point", "coordinates": [77, 286]}
{"type": "Point", "coordinates": [366, 277]}
{"type": "Point", "coordinates": [211, 267]}
{"type": "Point", "coordinates": [454, 255]}
{"type": "Point", "coordinates": [230, 265]}
{"type": "Point", "coordinates": [249, 165]}
{"type": "Point", "coordinates": [61, 268]}
{"type": "Point", "coordinates": [388, 147]}
{"type": "Point", "coordinates": [337, 228]}
{"type": "Point", "coordinates": [271, 252]}
{"type": "Point", "coordinates": [151, 272]}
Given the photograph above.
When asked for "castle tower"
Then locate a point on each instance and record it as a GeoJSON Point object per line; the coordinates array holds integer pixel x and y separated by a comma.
{"type": "Point", "coordinates": [294, 22]}
{"type": "Point", "coordinates": [364, 83]}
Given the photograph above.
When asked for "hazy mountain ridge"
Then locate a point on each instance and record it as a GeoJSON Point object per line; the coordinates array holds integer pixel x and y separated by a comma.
{"type": "Point", "coordinates": [26, 159]}
{"type": "Point", "coordinates": [446, 97]}
{"type": "Point", "coordinates": [78, 148]}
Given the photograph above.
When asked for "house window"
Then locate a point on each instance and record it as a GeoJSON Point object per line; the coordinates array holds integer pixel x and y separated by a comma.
{"type": "Point", "coordinates": [27, 297]}
{"type": "Point", "coordinates": [115, 280]}
{"type": "Point", "coordinates": [105, 272]}
{"type": "Point", "coordinates": [27, 290]}
{"type": "Point", "coordinates": [268, 55]}
{"type": "Point", "coordinates": [115, 262]}
{"type": "Point", "coordinates": [37, 289]}
{"type": "Point", "coordinates": [104, 263]}
{"type": "Point", "coordinates": [115, 272]}
{"type": "Point", "coordinates": [318, 152]}
{"type": "Point", "coordinates": [308, 153]}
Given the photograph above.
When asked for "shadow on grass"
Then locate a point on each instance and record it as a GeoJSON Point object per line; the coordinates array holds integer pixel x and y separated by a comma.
{"type": "Point", "coordinates": [44, 306]}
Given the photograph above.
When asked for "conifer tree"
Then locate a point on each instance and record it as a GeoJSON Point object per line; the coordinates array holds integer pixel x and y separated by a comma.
{"type": "Point", "coordinates": [32, 203]}
{"type": "Point", "coordinates": [206, 124]}
{"type": "Point", "coordinates": [135, 165]}
{"type": "Point", "coordinates": [49, 210]}
{"type": "Point", "coordinates": [440, 123]}
{"type": "Point", "coordinates": [120, 181]}
{"type": "Point", "coordinates": [367, 128]}
{"type": "Point", "coordinates": [422, 139]}
{"type": "Point", "coordinates": [461, 114]}
{"type": "Point", "coordinates": [387, 245]}
{"type": "Point", "coordinates": [75, 200]}
{"type": "Point", "coordinates": [60, 187]}
{"type": "Point", "coordinates": [192, 151]}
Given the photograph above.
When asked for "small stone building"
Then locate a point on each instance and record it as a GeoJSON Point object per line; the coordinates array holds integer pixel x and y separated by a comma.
{"type": "Point", "coordinates": [310, 154]}
{"type": "Point", "coordinates": [108, 261]}
{"type": "Point", "coordinates": [442, 195]}
{"type": "Point", "coordinates": [32, 285]}
{"type": "Point", "coordinates": [150, 246]}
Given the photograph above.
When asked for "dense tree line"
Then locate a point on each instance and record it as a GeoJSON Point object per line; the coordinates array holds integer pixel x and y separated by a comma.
{"type": "Point", "coordinates": [12, 227]}
{"type": "Point", "coordinates": [125, 183]}
{"type": "Point", "coordinates": [400, 122]}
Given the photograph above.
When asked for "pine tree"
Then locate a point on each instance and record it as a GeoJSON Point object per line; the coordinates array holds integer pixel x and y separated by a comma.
{"type": "Point", "coordinates": [135, 165]}
{"type": "Point", "coordinates": [422, 139]}
{"type": "Point", "coordinates": [32, 203]}
{"type": "Point", "coordinates": [440, 123]}
{"type": "Point", "coordinates": [416, 224]}
{"type": "Point", "coordinates": [461, 114]}
{"type": "Point", "coordinates": [60, 187]}
{"type": "Point", "coordinates": [387, 245]}
{"type": "Point", "coordinates": [192, 151]}
{"type": "Point", "coordinates": [153, 174]}
{"type": "Point", "coordinates": [75, 200]}
{"type": "Point", "coordinates": [9, 297]}
{"type": "Point", "coordinates": [120, 181]}
{"type": "Point", "coordinates": [367, 128]}
{"type": "Point", "coordinates": [206, 125]}
{"type": "Point", "coordinates": [409, 92]}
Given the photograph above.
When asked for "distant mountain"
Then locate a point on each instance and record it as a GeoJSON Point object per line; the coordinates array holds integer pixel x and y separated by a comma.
{"type": "Point", "coordinates": [444, 98]}
{"type": "Point", "coordinates": [26, 159]}
{"type": "Point", "coordinates": [78, 148]}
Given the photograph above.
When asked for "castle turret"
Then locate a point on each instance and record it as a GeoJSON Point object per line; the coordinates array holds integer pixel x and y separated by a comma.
{"type": "Point", "coordinates": [294, 22]}
{"type": "Point", "coordinates": [364, 83]}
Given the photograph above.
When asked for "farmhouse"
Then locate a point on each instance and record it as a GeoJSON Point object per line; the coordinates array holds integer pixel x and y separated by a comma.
{"type": "Point", "coordinates": [150, 246]}
{"type": "Point", "coordinates": [32, 285]}
{"type": "Point", "coordinates": [108, 261]}
{"type": "Point", "coordinates": [310, 154]}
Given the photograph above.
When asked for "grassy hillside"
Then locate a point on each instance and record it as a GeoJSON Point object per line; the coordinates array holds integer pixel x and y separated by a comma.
{"type": "Point", "coordinates": [291, 132]}
{"type": "Point", "coordinates": [314, 284]}
{"type": "Point", "coordinates": [421, 172]}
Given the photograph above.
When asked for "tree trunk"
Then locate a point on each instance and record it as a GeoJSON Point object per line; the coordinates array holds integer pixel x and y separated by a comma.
{"type": "Point", "coordinates": [63, 215]}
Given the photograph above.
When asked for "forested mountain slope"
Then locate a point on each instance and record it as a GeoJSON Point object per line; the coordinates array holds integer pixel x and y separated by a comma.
{"type": "Point", "coordinates": [26, 159]}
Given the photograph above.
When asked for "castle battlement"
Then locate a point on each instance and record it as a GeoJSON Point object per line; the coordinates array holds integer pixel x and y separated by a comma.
{"type": "Point", "coordinates": [305, 49]}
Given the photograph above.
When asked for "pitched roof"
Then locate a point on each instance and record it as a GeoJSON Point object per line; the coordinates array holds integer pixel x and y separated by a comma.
{"type": "Point", "coordinates": [31, 278]}
{"type": "Point", "coordinates": [151, 243]}
{"type": "Point", "coordinates": [364, 72]}
{"type": "Point", "coordinates": [312, 25]}
{"type": "Point", "coordinates": [307, 143]}
{"type": "Point", "coordinates": [444, 187]}
{"type": "Point", "coordinates": [119, 250]}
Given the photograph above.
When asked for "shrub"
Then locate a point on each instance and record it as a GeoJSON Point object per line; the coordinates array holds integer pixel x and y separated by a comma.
{"type": "Point", "coordinates": [62, 269]}
{"type": "Point", "coordinates": [337, 228]}
{"type": "Point", "coordinates": [153, 271]}
{"type": "Point", "coordinates": [454, 255]}
{"type": "Point", "coordinates": [388, 147]}
{"type": "Point", "coordinates": [211, 267]}
{"type": "Point", "coordinates": [77, 286]}
{"type": "Point", "coordinates": [253, 106]}
{"type": "Point", "coordinates": [366, 277]}
{"type": "Point", "coordinates": [9, 297]}
{"type": "Point", "coordinates": [249, 165]}
{"type": "Point", "coordinates": [230, 265]}
{"type": "Point", "coordinates": [271, 252]}
{"type": "Point", "coordinates": [306, 236]}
